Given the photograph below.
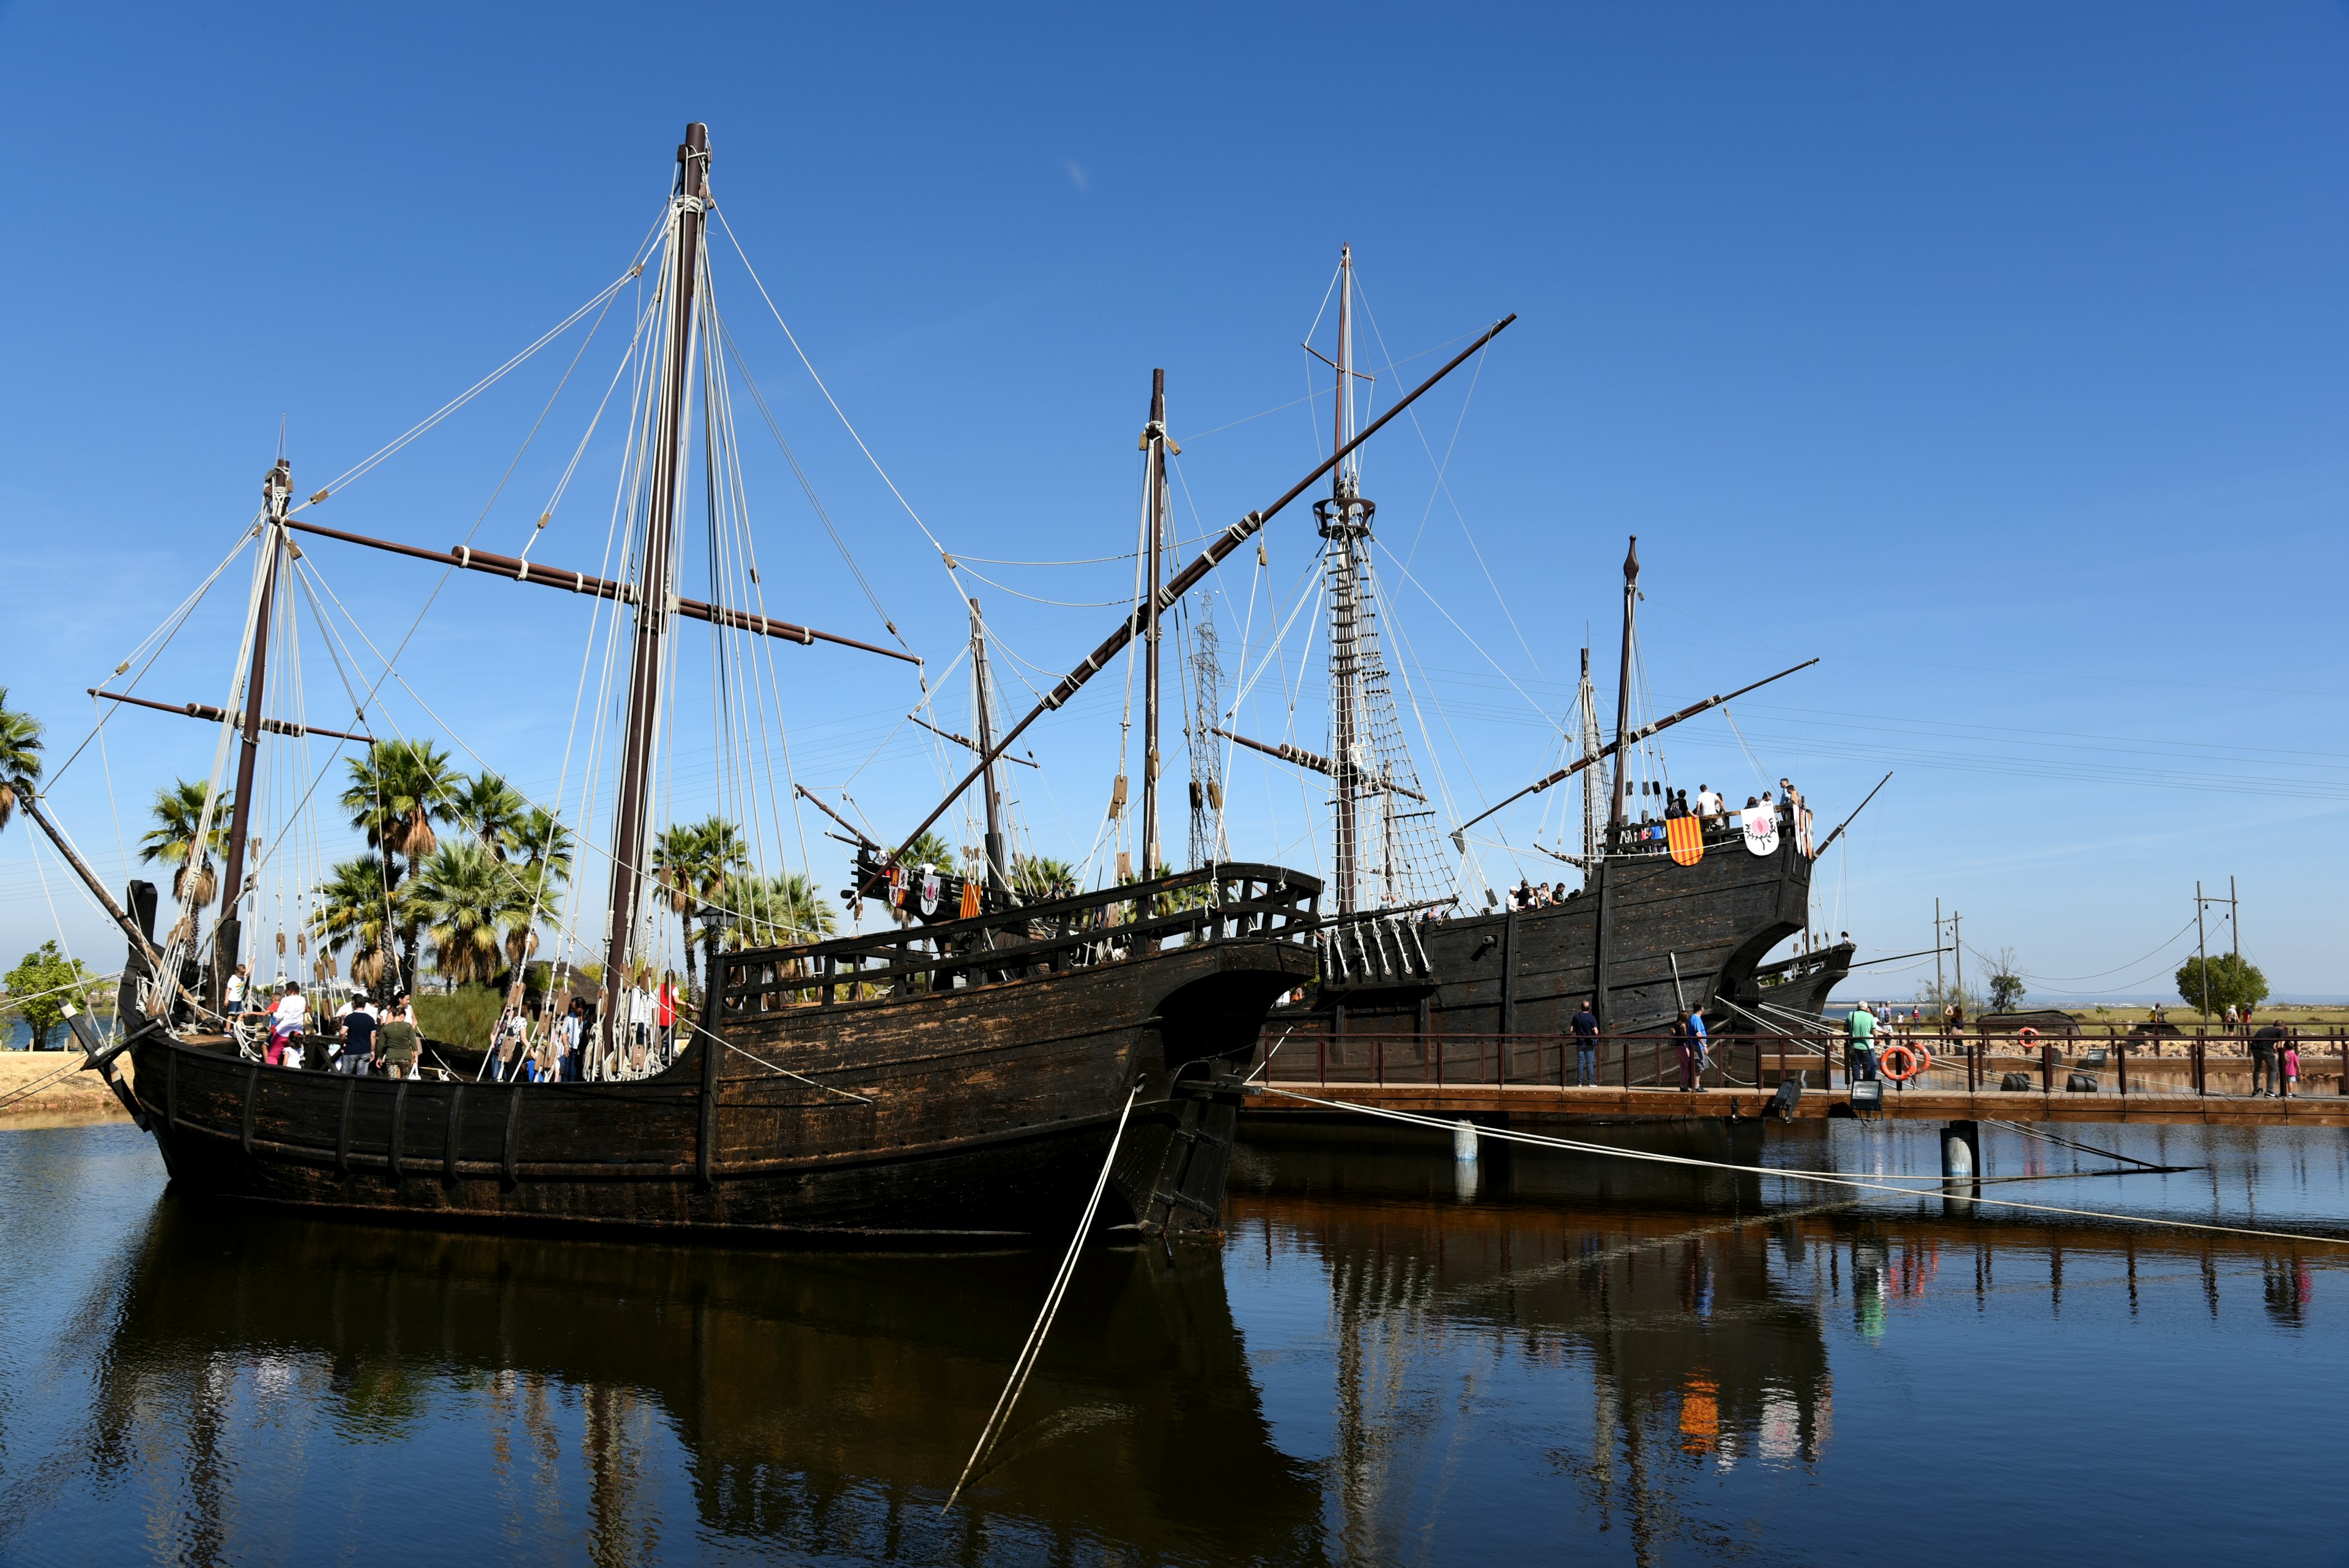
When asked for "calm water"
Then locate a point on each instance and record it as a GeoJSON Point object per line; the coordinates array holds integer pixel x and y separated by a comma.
{"type": "Point", "coordinates": [1390, 1361]}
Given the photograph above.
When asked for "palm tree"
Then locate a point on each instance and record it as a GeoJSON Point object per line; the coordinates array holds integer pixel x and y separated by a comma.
{"type": "Point", "coordinates": [493, 811]}
{"type": "Point", "coordinates": [545, 842]}
{"type": "Point", "coordinates": [172, 840]}
{"type": "Point", "coordinates": [694, 864]}
{"type": "Point", "coordinates": [398, 789]}
{"type": "Point", "coordinates": [777, 911]}
{"type": "Point", "coordinates": [20, 756]}
{"type": "Point", "coordinates": [467, 902]}
{"type": "Point", "coordinates": [353, 910]}
{"type": "Point", "coordinates": [929, 849]}
{"type": "Point", "coordinates": [1038, 877]}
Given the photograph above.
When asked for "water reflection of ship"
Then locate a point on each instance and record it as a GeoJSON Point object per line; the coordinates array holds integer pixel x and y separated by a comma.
{"type": "Point", "coordinates": [1698, 1351]}
{"type": "Point", "coordinates": [822, 1402]}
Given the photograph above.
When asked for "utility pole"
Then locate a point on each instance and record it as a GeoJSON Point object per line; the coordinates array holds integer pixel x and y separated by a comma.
{"type": "Point", "coordinates": [2234, 918]}
{"type": "Point", "coordinates": [1940, 988]}
{"type": "Point", "coordinates": [1957, 951]}
{"type": "Point", "coordinates": [2202, 951]}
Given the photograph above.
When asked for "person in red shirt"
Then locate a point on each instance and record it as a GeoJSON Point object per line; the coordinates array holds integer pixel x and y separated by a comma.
{"type": "Point", "coordinates": [664, 1015]}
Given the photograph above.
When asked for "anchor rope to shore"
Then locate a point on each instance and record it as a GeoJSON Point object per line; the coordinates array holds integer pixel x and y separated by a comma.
{"type": "Point", "coordinates": [1508, 1136]}
{"type": "Point", "coordinates": [1026, 1364]}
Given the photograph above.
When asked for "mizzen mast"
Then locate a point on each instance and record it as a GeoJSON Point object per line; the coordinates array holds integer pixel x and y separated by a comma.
{"type": "Point", "coordinates": [631, 827]}
{"type": "Point", "coordinates": [1154, 445]}
{"type": "Point", "coordinates": [1623, 683]}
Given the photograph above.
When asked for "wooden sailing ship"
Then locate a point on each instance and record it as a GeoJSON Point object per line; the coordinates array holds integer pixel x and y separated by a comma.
{"type": "Point", "coordinates": [1645, 937]}
{"type": "Point", "coordinates": [957, 1078]}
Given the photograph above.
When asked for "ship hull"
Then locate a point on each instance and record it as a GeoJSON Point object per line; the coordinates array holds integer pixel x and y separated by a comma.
{"type": "Point", "coordinates": [979, 1114]}
{"type": "Point", "coordinates": [1676, 937]}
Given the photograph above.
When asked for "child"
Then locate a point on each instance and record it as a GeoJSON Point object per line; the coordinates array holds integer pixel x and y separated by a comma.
{"type": "Point", "coordinates": [2290, 1067]}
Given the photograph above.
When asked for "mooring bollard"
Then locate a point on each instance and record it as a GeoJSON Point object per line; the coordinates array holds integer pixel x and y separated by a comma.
{"type": "Point", "coordinates": [1463, 1141]}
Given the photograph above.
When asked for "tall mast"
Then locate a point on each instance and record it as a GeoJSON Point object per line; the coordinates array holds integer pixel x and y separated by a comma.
{"type": "Point", "coordinates": [1345, 518]}
{"type": "Point", "coordinates": [653, 607]}
{"type": "Point", "coordinates": [276, 491]}
{"type": "Point", "coordinates": [1586, 722]}
{"type": "Point", "coordinates": [997, 878]}
{"type": "Point", "coordinates": [1623, 680]}
{"type": "Point", "coordinates": [1154, 443]}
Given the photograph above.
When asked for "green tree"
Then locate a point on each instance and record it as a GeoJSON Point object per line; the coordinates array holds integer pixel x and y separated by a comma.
{"type": "Point", "coordinates": [41, 986]}
{"type": "Point", "coordinates": [20, 756]}
{"type": "Point", "coordinates": [929, 849]}
{"type": "Point", "coordinates": [2006, 987]}
{"type": "Point", "coordinates": [1039, 878]}
{"type": "Point", "coordinates": [353, 910]}
{"type": "Point", "coordinates": [2233, 980]}
{"type": "Point", "coordinates": [398, 790]}
{"type": "Point", "coordinates": [465, 901]}
{"type": "Point", "coordinates": [777, 911]}
{"type": "Point", "coordinates": [178, 812]}
{"type": "Point", "coordinates": [493, 812]}
{"type": "Point", "coordinates": [694, 864]}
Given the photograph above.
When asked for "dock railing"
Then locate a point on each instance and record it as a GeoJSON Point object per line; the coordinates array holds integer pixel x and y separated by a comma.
{"type": "Point", "coordinates": [2174, 1064]}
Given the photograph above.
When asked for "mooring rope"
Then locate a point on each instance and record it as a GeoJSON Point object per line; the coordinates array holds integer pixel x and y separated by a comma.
{"type": "Point", "coordinates": [1576, 1145]}
{"type": "Point", "coordinates": [1026, 1364]}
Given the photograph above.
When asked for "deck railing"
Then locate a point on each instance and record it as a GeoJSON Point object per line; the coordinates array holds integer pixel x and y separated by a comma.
{"type": "Point", "coordinates": [2206, 1063]}
{"type": "Point", "coordinates": [1229, 902]}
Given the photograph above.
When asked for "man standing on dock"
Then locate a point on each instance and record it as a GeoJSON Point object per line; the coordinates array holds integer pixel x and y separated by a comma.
{"type": "Point", "coordinates": [2265, 1043]}
{"type": "Point", "coordinates": [1859, 1045]}
{"type": "Point", "coordinates": [1586, 1047]}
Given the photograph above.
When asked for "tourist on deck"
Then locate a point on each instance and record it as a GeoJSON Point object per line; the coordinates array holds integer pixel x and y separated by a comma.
{"type": "Point", "coordinates": [287, 1016]}
{"type": "Point", "coordinates": [1708, 805]}
{"type": "Point", "coordinates": [2230, 1018]}
{"type": "Point", "coordinates": [358, 1039]}
{"type": "Point", "coordinates": [1859, 1045]}
{"type": "Point", "coordinates": [664, 1015]}
{"type": "Point", "coordinates": [640, 1025]}
{"type": "Point", "coordinates": [2265, 1043]}
{"type": "Point", "coordinates": [1674, 808]}
{"type": "Point", "coordinates": [2289, 1062]}
{"type": "Point", "coordinates": [1684, 1046]}
{"type": "Point", "coordinates": [566, 1041]}
{"type": "Point", "coordinates": [1585, 1025]}
{"type": "Point", "coordinates": [396, 1040]}
{"type": "Point", "coordinates": [233, 994]}
{"type": "Point", "coordinates": [1700, 1039]}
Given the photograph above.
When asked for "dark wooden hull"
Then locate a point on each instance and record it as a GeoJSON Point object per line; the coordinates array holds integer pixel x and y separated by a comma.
{"type": "Point", "coordinates": [1799, 986]}
{"type": "Point", "coordinates": [974, 1113]}
{"type": "Point", "coordinates": [1676, 935]}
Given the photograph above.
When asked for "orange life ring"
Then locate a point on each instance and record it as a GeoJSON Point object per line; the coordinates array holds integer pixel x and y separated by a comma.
{"type": "Point", "coordinates": [2025, 1036]}
{"type": "Point", "coordinates": [1910, 1067]}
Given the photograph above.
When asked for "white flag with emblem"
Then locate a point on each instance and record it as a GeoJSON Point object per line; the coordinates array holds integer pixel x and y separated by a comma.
{"type": "Point", "coordinates": [1762, 829]}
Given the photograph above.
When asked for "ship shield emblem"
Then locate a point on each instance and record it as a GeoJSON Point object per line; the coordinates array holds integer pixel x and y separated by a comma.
{"type": "Point", "coordinates": [1685, 836]}
{"type": "Point", "coordinates": [1762, 829]}
{"type": "Point", "coordinates": [929, 890]}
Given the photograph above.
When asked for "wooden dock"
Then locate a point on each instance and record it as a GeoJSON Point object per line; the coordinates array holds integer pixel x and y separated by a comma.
{"type": "Point", "coordinates": [1536, 1104]}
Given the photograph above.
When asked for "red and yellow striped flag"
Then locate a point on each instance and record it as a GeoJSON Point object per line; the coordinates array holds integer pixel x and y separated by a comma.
{"type": "Point", "coordinates": [1684, 835]}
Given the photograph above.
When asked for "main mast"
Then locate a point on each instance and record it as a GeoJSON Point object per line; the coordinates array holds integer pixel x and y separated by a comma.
{"type": "Point", "coordinates": [1345, 519]}
{"type": "Point", "coordinates": [1154, 444]}
{"type": "Point", "coordinates": [653, 589]}
{"type": "Point", "coordinates": [277, 492]}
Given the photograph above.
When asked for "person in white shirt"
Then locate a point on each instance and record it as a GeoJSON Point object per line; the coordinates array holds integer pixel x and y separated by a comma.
{"type": "Point", "coordinates": [1708, 804]}
{"type": "Point", "coordinates": [286, 1020]}
{"type": "Point", "coordinates": [233, 994]}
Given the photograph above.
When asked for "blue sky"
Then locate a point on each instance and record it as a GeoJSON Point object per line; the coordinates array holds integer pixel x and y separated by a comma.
{"type": "Point", "coordinates": [1990, 354]}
